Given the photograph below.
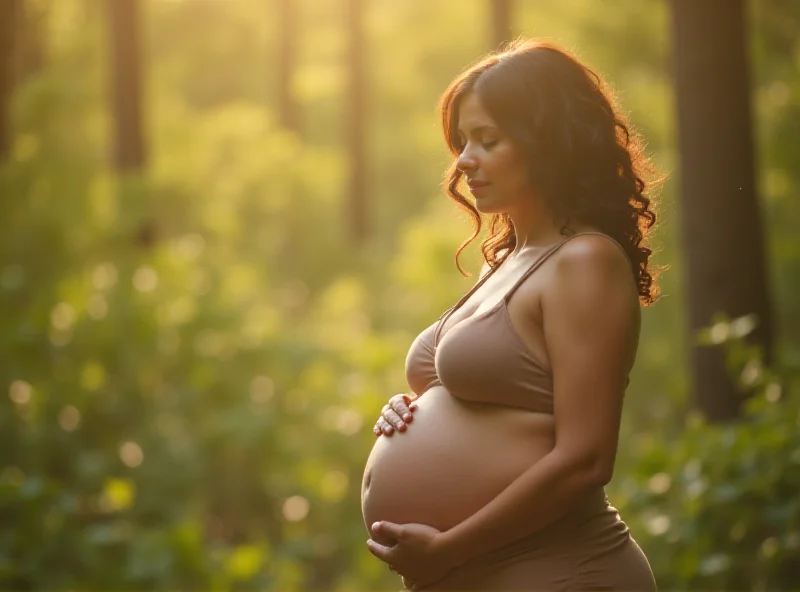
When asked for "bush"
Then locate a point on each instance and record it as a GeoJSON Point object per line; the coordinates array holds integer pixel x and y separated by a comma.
{"type": "Point", "coordinates": [718, 507]}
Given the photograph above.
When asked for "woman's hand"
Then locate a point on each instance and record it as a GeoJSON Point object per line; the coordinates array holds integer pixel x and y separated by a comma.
{"type": "Point", "coordinates": [418, 554]}
{"type": "Point", "coordinates": [395, 415]}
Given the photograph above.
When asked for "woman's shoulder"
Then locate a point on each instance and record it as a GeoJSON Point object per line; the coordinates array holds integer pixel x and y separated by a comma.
{"type": "Point", "coordinates": [592, 248]}
{"type": "Point", "coordinates": [592, 263]}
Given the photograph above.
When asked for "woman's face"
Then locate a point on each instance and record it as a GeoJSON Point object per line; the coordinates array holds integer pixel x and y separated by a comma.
{"type": "Point", "coordinates": [493, 165]}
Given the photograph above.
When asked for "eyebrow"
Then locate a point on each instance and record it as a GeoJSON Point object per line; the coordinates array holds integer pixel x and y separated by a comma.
{"type": "Point", "coordinates": [480, 128]}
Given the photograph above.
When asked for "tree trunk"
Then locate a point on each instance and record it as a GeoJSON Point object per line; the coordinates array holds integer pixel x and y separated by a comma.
{"type": "Point", "coordinates": [357, 215]}
{"type": "Point", "coordinates": [501, 22]}
{"type": "Point", "coordinates": [721, 220]}
{"type": "Point", "coordinates": [126, 77]}
{"type": "Point", "coordinates": [29, 57]}
{"type": "Point", "coordinates": [288, 110]}
{"type": "Point", "coordinates": [9, 14]}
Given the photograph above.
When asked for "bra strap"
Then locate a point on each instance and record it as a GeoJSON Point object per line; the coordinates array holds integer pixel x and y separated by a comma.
{"type": "Point", "coordinates": [538, 263]}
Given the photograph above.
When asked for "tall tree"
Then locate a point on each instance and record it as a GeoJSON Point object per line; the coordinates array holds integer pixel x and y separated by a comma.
{"type": "Point", "coordinates": [288, 109]}
{"type": "Point", "coordinates": [9, 13]}
{"type": "Point", "coordinates": [721, 219]}
{"type": "Point", "coordinates": [501, 21]}
{"type": "Point", "coordinates": [356, 128]}
{"type": "Point", "coordinates": [30, 32]}
{"type": "Point", "coordinates": [126, 77]}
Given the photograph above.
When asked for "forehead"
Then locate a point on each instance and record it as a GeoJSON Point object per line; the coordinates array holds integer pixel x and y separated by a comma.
{"type": "Point", "coordinates": [471, 114]}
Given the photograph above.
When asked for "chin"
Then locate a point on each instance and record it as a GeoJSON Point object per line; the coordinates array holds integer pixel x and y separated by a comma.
{"type": "Point", "coordinates": [485, 207]}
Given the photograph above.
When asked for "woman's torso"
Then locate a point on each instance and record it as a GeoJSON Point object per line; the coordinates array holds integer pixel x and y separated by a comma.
{"type": "Point", "coordinates": [463, 448]}
{"type": "Point", "coordinates": [458, 454]}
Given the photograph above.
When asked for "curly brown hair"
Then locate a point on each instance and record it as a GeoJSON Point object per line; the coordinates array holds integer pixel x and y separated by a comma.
{"type": "Point", "coordinates": [582, 155]}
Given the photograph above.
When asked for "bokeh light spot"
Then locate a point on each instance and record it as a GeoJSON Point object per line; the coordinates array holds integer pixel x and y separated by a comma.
{"type": "Point", "coordinates": [659, 483]}
{"type": "Point", "coordinates": [145, 279]}
{"type": "Point", "coordinates": [295, 508]}
{"type": "Point", "coordinates": [118, 494]}
{"type": "Point", "coordinates": [62, 317]}
{"type": "Point", "coordinates": [262, 389]}
{"type": "Point", "coordinates": [658, 525]}
{"type": "Point", "coordinates": [20, 392]}
{"type": "Point", "coordinates": [97, 306]}
{"type": "Point", "coordinates": [190, 246]}
{"type": "Point", "coordinates": [131, 454]}
{"type": "Point", "coordinates": [69, 418]}
{"type": "Point", "coordinates": [104, 276]}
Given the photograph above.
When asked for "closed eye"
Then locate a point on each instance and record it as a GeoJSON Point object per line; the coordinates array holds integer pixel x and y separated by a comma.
{"type": "Point", "coordinates": [459, 145]}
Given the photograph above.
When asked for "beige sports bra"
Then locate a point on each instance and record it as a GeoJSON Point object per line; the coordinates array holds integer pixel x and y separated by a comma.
{"type": "Point", "coordinates": [483, 359]}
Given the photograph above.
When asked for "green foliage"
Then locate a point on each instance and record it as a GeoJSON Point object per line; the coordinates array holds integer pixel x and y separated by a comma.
{"type": "Point", "coordinates": [193, 356]}
{"type": "Point", "coordinates": [717, 506]}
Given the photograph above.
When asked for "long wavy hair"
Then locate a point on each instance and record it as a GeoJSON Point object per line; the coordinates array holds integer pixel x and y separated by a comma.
{"type": "Point", "coordinates": [582, 156]}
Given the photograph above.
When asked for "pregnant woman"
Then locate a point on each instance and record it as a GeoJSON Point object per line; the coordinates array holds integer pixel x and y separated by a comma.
{"type": "Point", "coordinates": [495, 477]}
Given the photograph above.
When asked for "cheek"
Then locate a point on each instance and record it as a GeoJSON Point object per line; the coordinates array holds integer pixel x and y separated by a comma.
{"type": "Point", "coordinates": [510, 162]}
{"type": "Point", "coordinates": [514, 170]}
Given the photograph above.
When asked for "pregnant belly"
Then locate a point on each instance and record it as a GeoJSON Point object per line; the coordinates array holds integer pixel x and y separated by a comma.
{"type": "Point", "coordinates": [451, 461]}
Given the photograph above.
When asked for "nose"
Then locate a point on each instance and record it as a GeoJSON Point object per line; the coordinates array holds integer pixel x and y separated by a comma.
{"type": "Point", "coordinates": [465, 162]}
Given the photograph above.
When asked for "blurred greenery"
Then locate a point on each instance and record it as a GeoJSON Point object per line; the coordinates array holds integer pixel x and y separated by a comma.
{"type": "Point", "coordinates": [194, 355]}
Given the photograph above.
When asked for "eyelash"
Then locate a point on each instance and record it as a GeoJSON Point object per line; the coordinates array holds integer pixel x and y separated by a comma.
{"type": "Point", "coordinates": [485, 145]}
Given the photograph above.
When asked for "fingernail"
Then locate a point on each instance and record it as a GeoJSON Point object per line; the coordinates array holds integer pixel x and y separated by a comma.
{"type": "Point", "coordinates": [401, 427]}
{"type": "Point", "coordinates": [413, 406]}
{"type": "Point", "coordinates": [408, 418]}
{"type": "Point", "coordinates": [376, 525]}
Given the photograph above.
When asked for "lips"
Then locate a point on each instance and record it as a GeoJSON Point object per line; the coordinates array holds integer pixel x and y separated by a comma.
{"type": "Point", "coordinates": [476, 184]}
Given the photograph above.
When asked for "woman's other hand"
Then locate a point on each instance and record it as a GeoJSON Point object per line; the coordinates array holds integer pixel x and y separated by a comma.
{"type": "Point", "coordinates": [418, 553]}
{"type": "Point", "coordinates": [395, 415]}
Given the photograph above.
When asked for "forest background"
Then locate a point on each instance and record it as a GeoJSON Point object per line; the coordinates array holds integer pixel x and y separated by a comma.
{"type": "Point", "coordinates": [223, 227]}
